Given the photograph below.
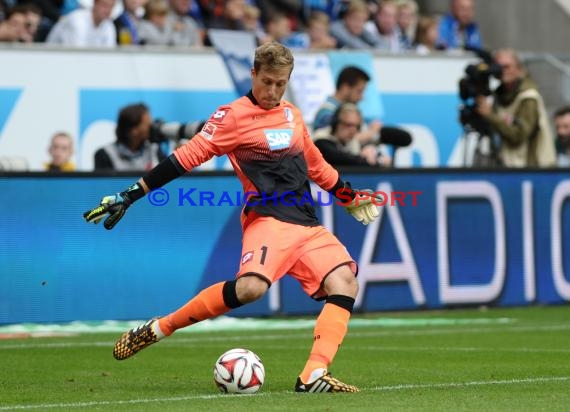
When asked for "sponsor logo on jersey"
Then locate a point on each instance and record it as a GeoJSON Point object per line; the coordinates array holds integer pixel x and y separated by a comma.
{"type": "Point", "coordinates": [278, 138]}
{"type": "Point", "coordinates": [208, 130]}
{"type": "Point", "coordinates": [288, 114]}
{"type": "Point", "coordinates": [246, 257]}
{"type": "Point", "coordinates": [219, 115]}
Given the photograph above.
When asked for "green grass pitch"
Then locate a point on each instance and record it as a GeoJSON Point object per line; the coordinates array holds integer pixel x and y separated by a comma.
{"type": "Point", "coordinates": [514, 359]}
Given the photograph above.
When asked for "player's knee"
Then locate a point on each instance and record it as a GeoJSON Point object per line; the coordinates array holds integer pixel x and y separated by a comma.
{"type": "Point", "coordinates": [352, 285]}
{"type": "Point", "coordinates": [341, 281]}
{"type": "Point", "coordinates": [250, 288]}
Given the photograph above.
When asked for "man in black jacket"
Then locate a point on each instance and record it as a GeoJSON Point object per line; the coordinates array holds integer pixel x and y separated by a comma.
{"type": "Point", "coordinates": [339, 144]}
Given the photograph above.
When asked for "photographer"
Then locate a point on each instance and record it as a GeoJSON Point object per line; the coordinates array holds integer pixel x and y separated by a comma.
{"type": "Point", "coordinates": [339, 144]}
{"type": "Point", "coordinates": [133, 150]}
{"type": "Point", "coordinates": [517, 116]}
{"type": "Point", "coordinates": [140, 140]}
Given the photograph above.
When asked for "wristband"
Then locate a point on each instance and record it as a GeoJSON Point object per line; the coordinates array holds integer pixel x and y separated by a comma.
{"type": "Point", "coordinates": [163, 173]}
{"type": "Point", "coordinates": [342, 190]}
{"type": "Point", "coordinates": [133, 193]}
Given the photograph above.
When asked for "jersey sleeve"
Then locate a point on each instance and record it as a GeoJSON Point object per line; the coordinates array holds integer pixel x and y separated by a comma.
{"type": "Point", "coordinates": [320, 172]}
{"type": "Point", "coordinates": [218, 136]}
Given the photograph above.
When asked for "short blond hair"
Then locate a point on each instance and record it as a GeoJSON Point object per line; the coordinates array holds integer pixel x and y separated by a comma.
{"type": "Point", "coordinates": [155, 8]}
{"type": "Point", "coordinates": [407, 3]}
{"type": "Point", "coordinates": [357, 6]}
{"type": "Point", "coordinates": [512, 53]}
{"type": "Point", "coordinates": [272, 56]}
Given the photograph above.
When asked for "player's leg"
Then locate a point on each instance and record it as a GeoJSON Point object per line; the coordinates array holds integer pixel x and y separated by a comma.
{"type": "Point", "coordinates": [212, 302]}
{"type": "Point", "coordinates": [330, 329]}
{"type": "Point", "coordinates": [257, 271]}
{"type": "Point", "coordinates": [209, 303]}
{"type": "Point", "coordinates": [326, 270]}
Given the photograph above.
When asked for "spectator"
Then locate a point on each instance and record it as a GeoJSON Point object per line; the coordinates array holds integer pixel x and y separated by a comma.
{"type": "Point", "coordinates": [152, 29]}
{"type": "Point", "coordinates": [350, 32]}
{"type": "Point", "coordinates": [350, 85]}
{"type": "Point", "coordinates": [50, 12]}
{"type": "Point", "coordinates": [292, 9]}
{"type": "Point", "coordinates": [339, 143]}
{"type": "Point", "coordinates": [384, 28]}
{"type": "Point", "coordinates": [334, 9]}
{"type": "Point", "coordinates": [232, 18]}
{"type": "Point", "coordinates": [210, 10]}
{"type": "Point", "coordinates": [126, 25]}
{"type": "Point", "coordinates": [86, 28]}
{"type": "Point", "coordinates": [181, 29]}
{"type": "Point", "coordinates": [318, 32]}
{"type": "Point", "coordinates": [315, 37]}
{"type": "Point", "coordinates": [133, 150]}
{"type": "Point", "coordinates": [251, 20]}
{"type": "Point", "coordinates": [13, 29]}
{"type": "Point", "coordinates": [426, 35]}
{"type": "Point", "coordinates": [457, 29]}
{"type": "Point", "coordinates": [562, 123]}
{"type": "Point", "coordinates": [33, 21]}
{"type": "Point", "coordinates": [278, 28]}
{"type": "Point", "coordinates": [518, 116]}
{"type": "Point", "coordinates": [407, 18]}
{"type": "Point", "coordinates": [60, 151]}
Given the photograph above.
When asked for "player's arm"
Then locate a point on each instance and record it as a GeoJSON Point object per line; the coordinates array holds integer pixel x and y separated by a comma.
{"type": "Point", "coordinates": [361, 204]}
{"type": "Point", "coordinates": [116, 205]}
{"type": "Point", "coordinates": [213, 139]}
{"type": "Point", "coordinates": [184, 159]}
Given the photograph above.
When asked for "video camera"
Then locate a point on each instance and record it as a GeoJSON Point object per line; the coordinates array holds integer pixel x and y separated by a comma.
{"type": "Point", "coordinates": [476, 83]}
{"type": "Point", "coordinates": [161, 131]}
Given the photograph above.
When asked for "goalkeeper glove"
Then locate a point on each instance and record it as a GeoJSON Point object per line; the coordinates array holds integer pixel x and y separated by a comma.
{"type": "Point", "coordinates": [114, 205]}
{"type": "Point", "coordinates": [363, 204]}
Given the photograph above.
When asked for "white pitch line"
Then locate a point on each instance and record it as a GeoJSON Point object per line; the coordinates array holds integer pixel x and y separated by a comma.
{"type": "Point", "coordinates": [307, 334]}
{"type": "Point", "coordinates": [380, 348]}
{"type": "Point", "coordinates": [374, 389]}
{"type": "Point", "coordinates": [472, 383]}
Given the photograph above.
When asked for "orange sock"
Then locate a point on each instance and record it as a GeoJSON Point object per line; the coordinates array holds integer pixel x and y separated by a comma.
{"type": "Point", "coordinates": [209, 303]}
{"type": "Point", "coordinates": [329, 332]}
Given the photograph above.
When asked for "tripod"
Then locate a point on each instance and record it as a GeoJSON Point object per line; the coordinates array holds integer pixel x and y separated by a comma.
{"type": "Point", "coordinates": [478, 141]}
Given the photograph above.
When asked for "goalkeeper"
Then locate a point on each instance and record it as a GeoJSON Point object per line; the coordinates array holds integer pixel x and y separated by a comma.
{"type": "Point", "coordinates": [271, 151]}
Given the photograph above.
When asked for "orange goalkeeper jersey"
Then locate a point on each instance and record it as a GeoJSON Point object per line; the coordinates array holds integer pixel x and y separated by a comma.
{"type": "Point", "coordinates": [272, 154]}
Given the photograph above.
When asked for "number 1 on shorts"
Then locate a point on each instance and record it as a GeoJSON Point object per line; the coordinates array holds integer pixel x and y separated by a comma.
{"type": "Point", "coordinates": [263, 254]}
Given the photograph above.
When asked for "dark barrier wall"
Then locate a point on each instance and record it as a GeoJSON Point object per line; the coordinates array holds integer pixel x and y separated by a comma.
{"type": "Point", "coordinates": [444, 238]}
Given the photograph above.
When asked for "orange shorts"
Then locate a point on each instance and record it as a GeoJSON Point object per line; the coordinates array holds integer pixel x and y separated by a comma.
{"type": "Point", "coordinates": [272, 249]}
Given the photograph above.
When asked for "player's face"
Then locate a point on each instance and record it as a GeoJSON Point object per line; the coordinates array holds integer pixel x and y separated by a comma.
{"type": "Point", "coordinates": [268, 86]}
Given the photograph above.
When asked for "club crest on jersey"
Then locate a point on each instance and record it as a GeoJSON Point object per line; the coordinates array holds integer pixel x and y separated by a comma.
{"type": "Point", "coordinates": [208, 130]}
{"type": "Point", "coordinates": [278, 138]}
{"type": "Point", "coordinates": [288, 114]}
{"type": "Point", "coordinates": [246, 257]}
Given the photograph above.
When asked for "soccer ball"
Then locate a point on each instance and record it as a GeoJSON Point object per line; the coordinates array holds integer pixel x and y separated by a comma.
{"type": "Point", "coordinates": [239, 371]}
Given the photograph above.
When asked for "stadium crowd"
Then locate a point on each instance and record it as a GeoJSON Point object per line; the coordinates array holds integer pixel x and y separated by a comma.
{"type": "Point", "coordinates": [387, 25]}
{"type": "Point", "coordinates": [393, 26]}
